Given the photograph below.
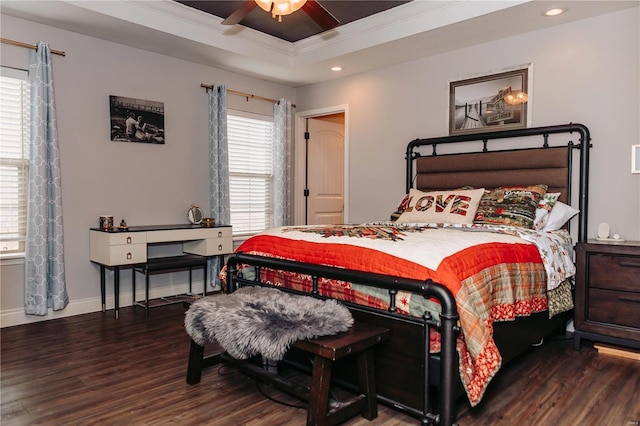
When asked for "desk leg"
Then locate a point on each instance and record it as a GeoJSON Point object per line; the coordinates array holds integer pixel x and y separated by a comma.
{"type": "Point", "coordinates": [116, 289]}
{"type": "Point", "coordinates": [204, 279]}
{"type": "Point", "coordinates": [103, 292]}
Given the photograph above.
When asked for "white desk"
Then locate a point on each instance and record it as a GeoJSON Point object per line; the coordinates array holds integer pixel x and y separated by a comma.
{"type": "Point", "coordinates": [116, 248]}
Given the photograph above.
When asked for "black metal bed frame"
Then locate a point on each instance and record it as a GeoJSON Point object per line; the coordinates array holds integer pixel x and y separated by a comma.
{"type": "Point", "coordinates": [447, 325]}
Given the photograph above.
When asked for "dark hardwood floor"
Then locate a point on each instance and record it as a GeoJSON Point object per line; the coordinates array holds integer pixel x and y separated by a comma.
{"type": "Point", "coordinates": [94, 370]}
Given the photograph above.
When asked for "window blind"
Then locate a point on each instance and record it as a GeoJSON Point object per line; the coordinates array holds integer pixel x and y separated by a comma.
{"type": "Point", "coordinates": [250, 173]}
{"type": "Point", "coordinates": [14, 159]}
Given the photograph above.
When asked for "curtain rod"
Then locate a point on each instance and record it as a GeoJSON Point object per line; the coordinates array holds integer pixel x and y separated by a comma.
{"type": "Point", "coordinates": [245, 95]}
{"type": "Point", "coordinates": [29, 46]}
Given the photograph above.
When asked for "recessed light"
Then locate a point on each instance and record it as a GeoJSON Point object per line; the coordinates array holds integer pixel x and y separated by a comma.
{"type": "Point", "coordinates": [555, 12]}
{"type": "Point", "coordinates": [336, 69]}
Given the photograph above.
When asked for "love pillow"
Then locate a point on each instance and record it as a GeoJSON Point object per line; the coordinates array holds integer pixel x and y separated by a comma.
{"type": "Point", "coordinates": [454, 206]}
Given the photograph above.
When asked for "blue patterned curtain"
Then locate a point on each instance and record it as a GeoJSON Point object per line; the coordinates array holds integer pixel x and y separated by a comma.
{"type": "Point", "coordinates": [219, 164]}
{"type": "Point", "coordinates": [281, 163]}
{"type": "Point", "coordinates": [45, 279]}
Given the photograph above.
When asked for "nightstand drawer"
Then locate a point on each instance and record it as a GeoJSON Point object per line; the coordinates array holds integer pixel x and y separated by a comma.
{"type": "Point", "coordinates": [614, 307]}
{"type": "Point", "coordinates": [614, 272]}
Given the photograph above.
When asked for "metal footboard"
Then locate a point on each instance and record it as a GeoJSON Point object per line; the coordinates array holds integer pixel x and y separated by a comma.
{"type": "Point", "coordinates": [447, 325]}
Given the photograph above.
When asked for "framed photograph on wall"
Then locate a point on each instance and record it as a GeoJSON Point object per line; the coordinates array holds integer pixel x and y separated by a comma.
{"type": "Point", "coordinates": [635, 158]}
{"type": "Point", "coordinates": [490, 102]}
{"type": "Point", "coordinates": [136, 120]}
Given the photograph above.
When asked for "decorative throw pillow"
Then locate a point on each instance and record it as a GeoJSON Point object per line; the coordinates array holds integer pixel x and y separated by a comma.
{"type": "Point", "coordinates": [400, 209]}
{"type": "Point", "coordinates": [545, 205]}
{"type": "Point", "coordinates": [454, 206]}
{"type": "Point", "coordinates": [558, 216]}
{"type": "Point", "coordinates": [510, 205]}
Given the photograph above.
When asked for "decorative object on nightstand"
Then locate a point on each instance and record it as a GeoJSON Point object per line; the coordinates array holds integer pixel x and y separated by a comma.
{"type": "Point", "coordinates": [194, 214]}
{"type": "Point", "coordinates": [604, 232]}
{"type": "Point", "coordinates": [608, 293]}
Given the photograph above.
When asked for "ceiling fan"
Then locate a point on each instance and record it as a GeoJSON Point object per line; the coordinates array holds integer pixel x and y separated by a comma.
{"type": "Point", "coordinates": [315, 10]}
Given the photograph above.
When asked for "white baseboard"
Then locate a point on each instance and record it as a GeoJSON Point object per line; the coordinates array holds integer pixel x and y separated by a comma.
{"type": "Point", "coordinates": [17, 316]}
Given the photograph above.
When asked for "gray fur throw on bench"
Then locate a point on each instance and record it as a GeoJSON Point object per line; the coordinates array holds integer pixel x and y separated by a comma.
{"type": "Point", "coordinates": [266, 321]}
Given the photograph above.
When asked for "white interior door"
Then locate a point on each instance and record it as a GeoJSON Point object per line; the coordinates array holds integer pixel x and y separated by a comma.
{"type": "Point", "coordinates": [326, 171]}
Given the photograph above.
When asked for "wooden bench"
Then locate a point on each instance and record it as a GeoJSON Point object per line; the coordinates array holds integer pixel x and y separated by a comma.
{"type": "Point", "coordinates": [168, 264]}
{"type": "Point", "coordinates": [358, 341]}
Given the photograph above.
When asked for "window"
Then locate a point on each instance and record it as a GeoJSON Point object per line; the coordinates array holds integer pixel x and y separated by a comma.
{"type": "Point", "coordinates": [14, 159]}
{"type": "Point", "coordinates": [250, 140]}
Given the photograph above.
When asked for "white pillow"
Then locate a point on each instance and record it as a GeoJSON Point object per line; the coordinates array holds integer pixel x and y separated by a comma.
{"type": "Point", "coordinates": [454, 206]}
{"type": "Point", "coordinates": [559, 215]}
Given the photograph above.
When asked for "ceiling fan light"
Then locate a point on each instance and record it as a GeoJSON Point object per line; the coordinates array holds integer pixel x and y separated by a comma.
{"type": "Point", "coordinates": [279, 8]}
{"type": "Point", "coordinates": [282, 8]}
{"type": "Point", "coordinates": [264, 5]}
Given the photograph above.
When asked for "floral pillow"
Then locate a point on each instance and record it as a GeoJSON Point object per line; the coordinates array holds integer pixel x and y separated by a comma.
{"type": "Point", "coordinates": [545, 205]}
{"type": "Point", "coordinates": [510, 205]}
{"type": "Point", "coordinates": [454, 206]}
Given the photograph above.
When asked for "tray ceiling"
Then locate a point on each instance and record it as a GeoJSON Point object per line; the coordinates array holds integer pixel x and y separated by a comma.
{"type": "Point", "coordinates": [372, 34]}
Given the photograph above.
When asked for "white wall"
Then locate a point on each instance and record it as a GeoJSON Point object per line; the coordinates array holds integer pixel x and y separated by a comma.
{"type": "Point", "coordinates": [143, 184]}
{"type": "Point", "coordinates": [583, 72]}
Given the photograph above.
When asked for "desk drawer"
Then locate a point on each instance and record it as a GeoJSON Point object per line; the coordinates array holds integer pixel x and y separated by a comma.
{"type": "Point", "coordinates": [126, 254]}
{"type": "Point", "coordinates": [209, 246]}
{"type": "Point", "coordinates": [196, 233]}
{"type": "Point", "coordinates": [104, 239]}
{"type": "Point", "coordinates": [127, 238]}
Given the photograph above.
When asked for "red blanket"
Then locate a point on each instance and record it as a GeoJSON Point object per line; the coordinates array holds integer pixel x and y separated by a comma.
{"type": "Point", "coordinates": [491, 280]}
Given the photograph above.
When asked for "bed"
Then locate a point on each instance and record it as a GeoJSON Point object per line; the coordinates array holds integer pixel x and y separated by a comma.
{"type": "Point", "coordinates": [479, 199]}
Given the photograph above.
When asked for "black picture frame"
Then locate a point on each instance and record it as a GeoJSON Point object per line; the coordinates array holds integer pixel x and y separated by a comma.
{"type": "Point", "coordinates": [148, 117]}
{"type": "Point", "coordinates": [491, 102]}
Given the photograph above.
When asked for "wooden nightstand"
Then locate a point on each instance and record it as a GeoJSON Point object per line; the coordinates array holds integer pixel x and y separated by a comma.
{"type": "Point", "coordinates": [607, 299]}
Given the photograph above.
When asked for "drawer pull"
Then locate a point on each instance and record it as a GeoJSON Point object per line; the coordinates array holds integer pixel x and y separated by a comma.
{"type": "Point", "coordinates": [129, 256]}
{"type": "Point", "coordinates": [630, 264]}
{"type": "Point", "coordinates": [128, 240]}
{"type": "Point", "coordinates": [219, 247]}
{"type": "Point", "coordinates": [629, 299]}
{"type": "Point", "coordinates": [219, 234]}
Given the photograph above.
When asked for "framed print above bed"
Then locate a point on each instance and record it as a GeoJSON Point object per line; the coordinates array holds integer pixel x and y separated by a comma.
{"type": "Point", "coordinates": [490, 102]}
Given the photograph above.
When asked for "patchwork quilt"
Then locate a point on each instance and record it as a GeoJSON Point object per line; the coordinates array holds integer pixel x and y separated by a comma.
{"type": "Point", "coordinates": [494, 274]}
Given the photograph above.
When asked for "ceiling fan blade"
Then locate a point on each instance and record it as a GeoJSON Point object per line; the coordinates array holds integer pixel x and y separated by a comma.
{"type": "Point", "coordinates": [320, 15]}
{"type": "Point", "coordinates": [240, 13]}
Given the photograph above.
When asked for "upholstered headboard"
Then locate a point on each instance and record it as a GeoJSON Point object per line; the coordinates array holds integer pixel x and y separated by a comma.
{"type": "Point", "coordinates": [489, 170]}
{"type": "Point", "coordinates": [544, 164]}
